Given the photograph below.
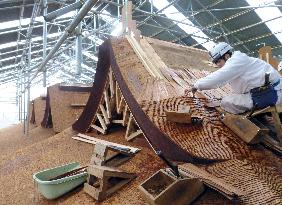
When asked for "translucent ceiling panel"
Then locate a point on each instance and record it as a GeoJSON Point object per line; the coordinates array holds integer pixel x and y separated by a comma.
{"type": "Point", "coordinates": [268, 13]}
{"type": "Point", "coordinates": [187, 26]}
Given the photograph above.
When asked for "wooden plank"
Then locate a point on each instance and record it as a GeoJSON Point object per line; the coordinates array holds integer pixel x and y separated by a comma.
{"type": "Point", "coordinates": [105, 115]}
{"type": "Point", "coordinates": [121, 105]}
{"type": "Point", "coordinates": [162, 188]}
{"type": "Point", "coordinates": [134, 135]}
{"type": "Point", "coordinates": [77, 105]}
{"type": "Point", "coordinates": [125, 116]}
{"type": "Point", "coordinates": [105, 174]}
{"type": "Point", "coordinates": [118, 96]}
{"type": "Point", "coordinates": [243, 127]}
{"type": "Point", "coordinates": [95, 140]}
{"type": "Point", "coordinates": [264, 110]}
{"type": "Point", "coordinates": [272, 144]}
{"type": "Point", "coordinates": [130, 127]}
{"type": "Point", "coordinates": [90, 190]}
{"type": "Point", "coordinates": [190, 189]}
{"type": "Point", "coordinates": [130, 133]}
{"type": "Point", "coordinates": [135, 33]}
{"type": "Point", "coordinates": [123, 19]}
{"type": "Point", "coordinates": [84, 140]}
{"type": "Point", "coordinates": [278, 126]}
{"type": "Point", "coordinates": [111, 156]}
{"type": "Point", "coordinates": [107, 101]}
{"type": "Point", "coordinates": [112, 84]}
{"type": "Point", "coordinates": [98, 129]}
{"type": "Point", "coordinates": [274, 110]}
{"type": "Point", "coordinates": [150, 67]}
{"type": "Point", "coordinates": [152, 53]}
{"type": "Point", "coordinates": [117, 121]}
{"type": "Point", "coordinates": [120, 184]}
{"type": "Point", "coordinates": [227, 190]}
{"type": "Point", "coordinates": [102, 122]}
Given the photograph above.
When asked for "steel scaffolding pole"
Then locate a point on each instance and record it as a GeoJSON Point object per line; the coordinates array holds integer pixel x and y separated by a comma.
{"type": "Point", "coordinates": [95, 33]}
{"type": "Point", "coordinates": [20, 98]}
{"type": "Point", "coordinates": [17, 48]}
{"type": "Point", "coordinates": [118, 8]}
{"type": "Point", "coordinates": [35, 11]}
{"type": "Point", "coordinates": [173, 20]}
{"type": "Point", "coordinates": [50, 16]}
{"type": "Point", "coordinates": [81, 14]}
{"type": "Point", "coordinates": [78, 52]}
{"type": "Point", "coordinates": [126, 15]}
{"type": "Point", "coordinates": [22, 88]}
{"type": "Point", "coordinates": [44, 39]}
{"type": "Point", "coordinates": [23, 102]}
{"type": "Point", "coordinates": [28, 92]}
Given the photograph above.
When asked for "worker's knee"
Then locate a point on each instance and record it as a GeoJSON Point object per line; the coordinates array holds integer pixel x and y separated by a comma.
{"type": "Point", "coordinates": [227, 105]}
{"type": "Point", "coordinates": [236, 104]}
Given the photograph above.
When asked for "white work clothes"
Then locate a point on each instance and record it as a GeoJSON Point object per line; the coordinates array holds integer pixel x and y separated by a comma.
{"type": "Point", "coordinates": [243, 73]}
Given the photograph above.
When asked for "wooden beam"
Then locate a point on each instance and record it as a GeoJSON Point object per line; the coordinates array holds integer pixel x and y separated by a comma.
{"type": "Point", "coordinates": [125, 115]}
{"type": "Point", "coordinates": [96, 140]}
{"type": "Point", "coordinates": [105, 115]}
{"type": "Point", "coordinates": [278, 126]}
{"type": "Point", "coordinates": [134, 135]}
{"type": "Point", "coordinates": [117, 121]}
{"type": "Point", "coordinates": [98, 129]}
{"type": "Point", "coordinates": [154, 57]}
{"type": "Point", "coordinates": [118, 96]}
{"type": "Point", "coordinates": [77, 105]}
{"type": "Point", "coordinates": [107, 101]}
{"type": "Point", "coordinates": [121, 105]}
{"type": "Point", "coordinates": [150, 67]}
{"type": "Point", "coordinates": [112, 84]}
{"type": "Point", "coordinates": [130, 126]}
{"type": "Point", "coordinates": [101, 120]}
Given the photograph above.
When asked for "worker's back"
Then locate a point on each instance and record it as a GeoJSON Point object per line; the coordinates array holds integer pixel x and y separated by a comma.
{"type": "Point", "coordinates": [251, 72]}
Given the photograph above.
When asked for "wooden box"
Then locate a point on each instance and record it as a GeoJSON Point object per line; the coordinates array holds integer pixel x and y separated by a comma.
{"type": "Point", "coordinates": [162, 189]}
{"type": "Point", "coordinates": [243, 127]}
{"type": "Point", "coordinates": [182, 115]}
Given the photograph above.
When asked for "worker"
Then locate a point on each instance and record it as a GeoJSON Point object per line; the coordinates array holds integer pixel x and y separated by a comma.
{"type": "Point", "coordinates": [245, 75]}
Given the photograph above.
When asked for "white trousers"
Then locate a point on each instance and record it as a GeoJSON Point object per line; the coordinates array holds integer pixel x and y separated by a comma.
{"type": "Point", "coordinates": [240, 103]}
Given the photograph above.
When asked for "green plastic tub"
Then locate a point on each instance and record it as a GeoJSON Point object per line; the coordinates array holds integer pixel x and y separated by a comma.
{"type": "Point", "coordinates": [55, 188]}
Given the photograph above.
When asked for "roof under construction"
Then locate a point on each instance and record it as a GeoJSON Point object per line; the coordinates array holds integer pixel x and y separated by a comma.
{"type": "Point", "coordinates": [129, 96]}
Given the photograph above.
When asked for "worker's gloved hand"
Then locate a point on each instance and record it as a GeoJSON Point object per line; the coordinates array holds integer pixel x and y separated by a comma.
{"type": "Point", "coordinates": [192, 89]}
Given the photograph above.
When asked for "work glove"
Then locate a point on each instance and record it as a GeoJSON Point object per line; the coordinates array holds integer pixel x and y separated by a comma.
{"type": "Point", "coordinates": [192, 89]}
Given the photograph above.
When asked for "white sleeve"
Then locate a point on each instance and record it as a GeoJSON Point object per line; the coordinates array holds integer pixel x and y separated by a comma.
{"type": "Point", "coordinates": [224, 75]}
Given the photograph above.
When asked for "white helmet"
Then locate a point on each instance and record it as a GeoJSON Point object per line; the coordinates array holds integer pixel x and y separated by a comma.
{"type": "Point", "coordinates": [279, 68]}
{"type": "Point", "coordinates": [219, 50]}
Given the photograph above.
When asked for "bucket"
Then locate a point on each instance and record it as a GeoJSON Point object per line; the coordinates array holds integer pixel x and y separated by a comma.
{"type": "Point", "coordinates": [55, 188]}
